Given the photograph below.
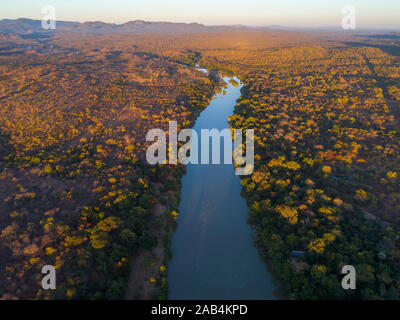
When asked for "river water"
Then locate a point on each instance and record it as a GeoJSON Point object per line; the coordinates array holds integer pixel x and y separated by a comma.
{"type": "Point", "coordinates": [213, 251]}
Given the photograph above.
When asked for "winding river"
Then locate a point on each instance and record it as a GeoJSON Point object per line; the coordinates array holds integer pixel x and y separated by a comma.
{"type": "Point", "coordinates": [213, 251]}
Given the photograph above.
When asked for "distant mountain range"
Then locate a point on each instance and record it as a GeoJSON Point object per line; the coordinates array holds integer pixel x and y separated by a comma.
{"type": "Point", "coordinates": [24, 26]}
{"type": "Point", "coordinates": [31, 28]}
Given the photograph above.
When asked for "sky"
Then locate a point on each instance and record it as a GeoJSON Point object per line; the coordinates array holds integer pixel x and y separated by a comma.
{"type": "Point", "coordinates": [300, 13]}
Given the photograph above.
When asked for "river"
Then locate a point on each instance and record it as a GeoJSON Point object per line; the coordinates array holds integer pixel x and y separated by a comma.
{"type": "Point", "coordinates": [213, 251]}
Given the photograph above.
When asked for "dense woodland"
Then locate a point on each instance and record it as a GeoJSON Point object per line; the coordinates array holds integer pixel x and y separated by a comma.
{"type": "Point", "coordinates": [76, 192]}
{"type": "Point", "coordinates": [327, 153]}
{"type": "Point", "coordinates": [75, 189]}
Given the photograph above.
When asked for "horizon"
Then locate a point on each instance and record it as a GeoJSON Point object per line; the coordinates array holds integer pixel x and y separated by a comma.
{"type": "Point", "coordinates": [288, 13]}
{"type": "Point", "coordinates": [327, 27]}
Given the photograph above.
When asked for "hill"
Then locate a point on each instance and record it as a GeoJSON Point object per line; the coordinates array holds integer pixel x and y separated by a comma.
{"type": "Point", "coordinates": [25, 26]}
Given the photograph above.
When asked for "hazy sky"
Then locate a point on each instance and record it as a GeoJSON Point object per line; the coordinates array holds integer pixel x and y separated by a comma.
{"type": "Point", "coordinates": [370, 13]}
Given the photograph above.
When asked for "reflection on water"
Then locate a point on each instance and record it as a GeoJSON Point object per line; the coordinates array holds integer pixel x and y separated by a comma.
{"type": "Point", "coordinates": [213, 252]}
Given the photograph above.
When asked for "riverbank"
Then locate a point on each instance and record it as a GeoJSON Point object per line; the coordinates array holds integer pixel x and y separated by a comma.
{"type": "Point", "coordinates": [148, 269]}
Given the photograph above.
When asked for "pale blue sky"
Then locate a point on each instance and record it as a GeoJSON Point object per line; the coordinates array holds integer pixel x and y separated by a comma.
{"type": "Point", "coordinates": [313, 13]}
